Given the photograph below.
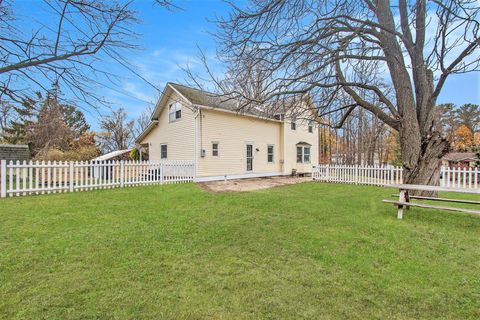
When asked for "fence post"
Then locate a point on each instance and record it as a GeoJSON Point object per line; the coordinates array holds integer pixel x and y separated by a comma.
{"type": "Point", "coordinates": [3, 181]}
{"type": "Point", "coordinates": [355, 177]}
{"type": "Point", "coordinates": [161, 173]}
{"type": "Point", "coordinates": [72, 180]}
{"type": "Point", "coordinates": [442, 176]}
{"type": "Point", "coordinates": [122, 174]}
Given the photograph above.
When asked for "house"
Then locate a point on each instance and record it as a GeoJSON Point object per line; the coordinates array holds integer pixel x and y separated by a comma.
{"type": "Point", "coordinates": [459, 159]}
{"type": "Point", "coordinates": [14, 152]}
{"type": "Point", "coordinates": [190, 124]}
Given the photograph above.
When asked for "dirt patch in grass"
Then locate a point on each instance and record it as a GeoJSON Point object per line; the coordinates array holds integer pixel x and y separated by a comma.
{"type": "Point", "coordinates": [239, 185]}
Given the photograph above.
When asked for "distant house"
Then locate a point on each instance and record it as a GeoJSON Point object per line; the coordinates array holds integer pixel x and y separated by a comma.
{"type": "Point", "coordinates": [14, 152]}
{"type": "Point", "coordinates": [114, 155]}
{"type": "Point", "coordinates": [459, 159]}
{"type": "Point", "coordinates": [190, 124]}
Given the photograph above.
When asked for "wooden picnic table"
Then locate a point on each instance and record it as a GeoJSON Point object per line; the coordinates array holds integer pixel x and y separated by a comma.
{"type": "Point", "coordinates": [404, 198]}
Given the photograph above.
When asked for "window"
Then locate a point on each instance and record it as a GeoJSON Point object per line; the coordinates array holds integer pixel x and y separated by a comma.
{"type": "Point", "coordinates": [293, 124]}
{"type": "Point", "coordinates": [299, 154]}
{"type": "Point", "coordinates": [270, 153]}
{"type": "Point", "coordinates": [310, 126]}
{"type": "Point", "coordinates": [163, 151]}
{"type": "Point", "coordinates": [174, 111]}
{"type": "Point", "coordinates": [306, 154]}
{"type": "Point", "coordinates": [249, 157]}
{"type": "Point", "coordinates": [215, 149]}
{"type": "Point", "coordinates": [303, 154]}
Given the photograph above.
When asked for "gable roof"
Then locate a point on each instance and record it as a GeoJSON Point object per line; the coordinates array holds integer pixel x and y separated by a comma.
{"type": "Point", "coordinates": [202, 98]}
{"type": "Point", "coordinates": [459, 156]}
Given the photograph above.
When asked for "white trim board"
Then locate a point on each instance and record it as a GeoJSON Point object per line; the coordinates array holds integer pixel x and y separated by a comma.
{"type": "Point", "coordinates": [238, 176]}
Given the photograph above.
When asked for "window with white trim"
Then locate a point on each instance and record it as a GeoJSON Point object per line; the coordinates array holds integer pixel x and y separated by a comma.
{"type": "Point", "coordinates": [215, 149]}
{"type": "Point", "coordinates": [310, 126]}
{"type": "Point", "coordinates": [270, 153]}
{"type": "Point", "coordinates": [163, 151]}
{"type": "Point", "coordinates": [174, 111]}
{"type": "Point", "coordinates": [303, 154]}
{"type": "Point", "coordinates": [293, 124]}
{"type": "Point", "coordinates": [299, 154]}
{"type": "Point", "coordinates": [306, 154]}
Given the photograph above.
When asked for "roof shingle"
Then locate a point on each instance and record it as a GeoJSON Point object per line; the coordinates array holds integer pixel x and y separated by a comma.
{"type": "Point", "coordinates": [208, 99]}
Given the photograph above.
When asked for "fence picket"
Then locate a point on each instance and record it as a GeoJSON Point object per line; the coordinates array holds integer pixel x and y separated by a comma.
{"type": "Point", "coordinates": [381, 175]}
{"type": "Point", "coordinates": [29, 178]}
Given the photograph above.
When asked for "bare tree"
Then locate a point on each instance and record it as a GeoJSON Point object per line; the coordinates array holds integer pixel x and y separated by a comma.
{"type": "Point", "coordinates": [6, 115]}
{"type": "Point", "coordinates": [70, 50]}
{"type": "Point", "coordinates": [50, 130]}
{"type": "Point", "coordinates": [392, 60]}
{"type": "Point", "coordinates": [118, 131]}
{"type": "Point", "coordinates": [143, 121]}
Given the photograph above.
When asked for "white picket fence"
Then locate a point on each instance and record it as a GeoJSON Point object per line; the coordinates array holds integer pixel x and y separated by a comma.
{"type": "Point", "coordinates": [370, 175]}
{"type": "Point", "coordinates": [26, 178]}
{"type": "Point", "coordinates": [467, 178]}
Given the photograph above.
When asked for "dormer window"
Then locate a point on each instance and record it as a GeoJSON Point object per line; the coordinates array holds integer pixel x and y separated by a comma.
{"type": "Point", "coordinates": [174, 111]}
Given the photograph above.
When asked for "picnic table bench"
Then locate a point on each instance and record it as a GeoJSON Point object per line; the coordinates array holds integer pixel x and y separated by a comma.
{"type": "Point", "coordinates": [404, 198]}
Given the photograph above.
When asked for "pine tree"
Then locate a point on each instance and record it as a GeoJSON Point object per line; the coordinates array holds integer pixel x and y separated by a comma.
{"type": "Point", "coordinates": [74, 119]}
{"type": "Point", "coordinates": [17, 132]}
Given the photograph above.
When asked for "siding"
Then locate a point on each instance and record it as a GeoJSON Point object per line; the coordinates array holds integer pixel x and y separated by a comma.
{"type": "Point", "coordinates": [232, 132]}
{"type": "Point", "coordinates": [178, 135]}
{"type": "Point", "coordinates": [291, 138]}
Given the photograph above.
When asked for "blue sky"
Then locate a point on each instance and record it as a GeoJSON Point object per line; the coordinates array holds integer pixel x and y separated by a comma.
{"type": "Point", "coordinates": [169, 40]}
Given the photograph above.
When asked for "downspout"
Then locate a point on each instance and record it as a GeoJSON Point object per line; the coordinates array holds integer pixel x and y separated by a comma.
{"type": "Point", "coordinates": [196, 135]}
{"type": "Point", "coordinates": [284, 148]}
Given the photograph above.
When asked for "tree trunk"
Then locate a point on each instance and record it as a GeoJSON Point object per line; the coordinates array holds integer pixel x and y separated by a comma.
{"type": "Point", "coordinates": [422, 168]}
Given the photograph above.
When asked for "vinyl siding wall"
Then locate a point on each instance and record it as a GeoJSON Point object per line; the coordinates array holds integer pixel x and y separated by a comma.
{"type": "Point", "coordinates": [178, 135]}
{"type": "Point", "coordinates": [232, 133]}
{"type": "Point", "coordinates": [291, 138]}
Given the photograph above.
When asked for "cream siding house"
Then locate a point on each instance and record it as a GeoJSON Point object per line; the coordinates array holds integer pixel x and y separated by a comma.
{"type": "Point", "coordinates": [189, 124]}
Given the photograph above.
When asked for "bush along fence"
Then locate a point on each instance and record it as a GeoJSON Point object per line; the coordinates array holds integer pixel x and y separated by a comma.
{"type": "Point", "coordinates": [26, 178]}
{"type": "Point", "coordinates": [466, 178]}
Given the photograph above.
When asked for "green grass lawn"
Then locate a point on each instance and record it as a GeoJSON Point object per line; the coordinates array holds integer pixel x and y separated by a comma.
{"type": "Point", "coordinates": [296, 252]}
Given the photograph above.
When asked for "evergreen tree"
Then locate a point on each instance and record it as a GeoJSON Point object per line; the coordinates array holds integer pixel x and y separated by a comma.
{"type": "Point", "coordinates": [17, 131]}
{"type": "Point", "coordinates": [74, 119]}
